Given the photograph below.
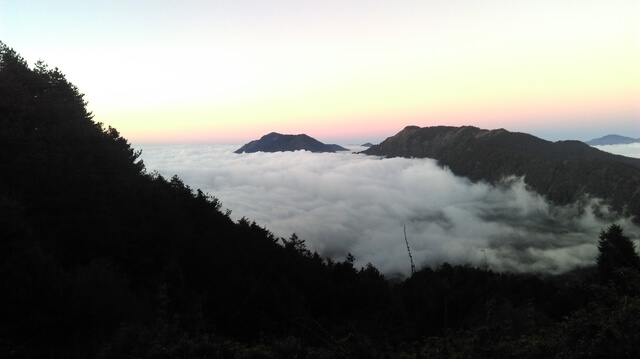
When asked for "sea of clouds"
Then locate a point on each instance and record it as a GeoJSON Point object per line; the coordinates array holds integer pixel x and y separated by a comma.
{"type": "Point", "coordinates": [629, 150]}
{"type": "Point", "coordinates": [343, 203]}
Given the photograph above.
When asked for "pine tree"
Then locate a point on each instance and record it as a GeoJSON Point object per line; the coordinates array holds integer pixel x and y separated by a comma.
{"type": "Point", "coordinates": [615, 251]}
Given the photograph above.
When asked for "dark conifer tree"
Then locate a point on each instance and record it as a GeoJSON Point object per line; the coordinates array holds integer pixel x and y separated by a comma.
{"type": "Point", "coordinates": [615, 251]}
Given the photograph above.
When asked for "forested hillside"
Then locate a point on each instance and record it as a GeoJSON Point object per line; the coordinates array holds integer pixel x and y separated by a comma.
{"type": "Point", "coordinates": [564, 172]}
{"type": "Point", "coordinates": [101, 258]}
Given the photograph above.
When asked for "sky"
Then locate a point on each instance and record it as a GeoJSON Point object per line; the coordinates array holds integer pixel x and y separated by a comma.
{"type": "Point", "coordinates": [341, 203]}
{"type": "Point", "coordinates": [340, 71]}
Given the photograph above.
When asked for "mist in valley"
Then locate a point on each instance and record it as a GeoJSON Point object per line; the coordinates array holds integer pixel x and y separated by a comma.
{"type": "Point", "coordinates": [342, 203]}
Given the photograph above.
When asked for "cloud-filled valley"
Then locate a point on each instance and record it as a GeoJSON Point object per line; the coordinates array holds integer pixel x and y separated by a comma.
{"type": "Point", "coordinates": [343, 202]}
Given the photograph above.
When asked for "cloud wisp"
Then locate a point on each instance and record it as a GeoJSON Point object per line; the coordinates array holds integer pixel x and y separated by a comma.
{"type": "Point", "coordinates": [343, 202]}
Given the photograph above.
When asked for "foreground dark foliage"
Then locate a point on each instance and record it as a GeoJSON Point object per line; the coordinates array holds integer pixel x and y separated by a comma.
{"type": "Point", "coordinates": [99, 258]}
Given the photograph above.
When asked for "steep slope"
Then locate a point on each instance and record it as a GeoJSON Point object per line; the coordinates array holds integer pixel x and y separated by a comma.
{"type": "Point", "coordinates": [276, 142]}
{"type": "Point", "coordinates": [562, 171]}
{"type": "Point", "coordinates": [100, 259]}
{"type": "Point", "coordinates": [95, 251]}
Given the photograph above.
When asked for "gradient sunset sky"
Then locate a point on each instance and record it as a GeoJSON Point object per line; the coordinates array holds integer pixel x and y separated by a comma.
{"type": "Point", "coordinates": [340, 71]}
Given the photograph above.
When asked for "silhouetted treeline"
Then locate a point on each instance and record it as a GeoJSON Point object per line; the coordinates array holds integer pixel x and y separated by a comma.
{"type": "Point", "coordinates": [100, 258]}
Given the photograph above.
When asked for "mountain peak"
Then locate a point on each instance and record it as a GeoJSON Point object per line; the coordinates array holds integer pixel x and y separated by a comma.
{"type": "Point", "coordinates": [562, 171]}
{"type": "Point", "coordinates": [612, 140]}
{"type": "Point", "coordinates": [277, 142]}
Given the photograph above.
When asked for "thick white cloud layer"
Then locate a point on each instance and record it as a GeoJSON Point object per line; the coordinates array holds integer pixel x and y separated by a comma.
{"type": "Point", "coordinates": [344, 202]}
{"type": "Point", "coordinates": [630, 150]}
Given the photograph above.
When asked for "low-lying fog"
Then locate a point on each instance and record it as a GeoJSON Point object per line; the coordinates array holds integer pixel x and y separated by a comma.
{"type": "Point", "coordinates": [344, 202]}
{"type": "Point", "coordinates": [630, 150]}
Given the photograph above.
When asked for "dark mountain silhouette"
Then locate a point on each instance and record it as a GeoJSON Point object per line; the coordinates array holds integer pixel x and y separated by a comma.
{"type": "Point", "coordinates": [612, 140]}
{"type": "Point", "coordinates": [101, 259]}
{"type": "Point", "coordinates": [563, 171]}
{"type": "Point", "coordinates": [336, 148]}
{"type": "Point", "coordinates": [368, 144]}
{"type": "Point", "coordinates": [276, 142]}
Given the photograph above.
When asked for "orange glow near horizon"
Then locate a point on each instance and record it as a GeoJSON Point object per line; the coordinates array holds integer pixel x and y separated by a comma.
{"type": "Point", "coordinates": [231, 72]}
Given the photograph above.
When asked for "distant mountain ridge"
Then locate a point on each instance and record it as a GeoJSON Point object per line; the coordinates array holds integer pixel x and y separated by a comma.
{"type": "Point", "coordinates": [562, 171]}
{"type": "Point", "coordinates": [612, 140]}
{"type": "Point", "coordinates": [276, 142]}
